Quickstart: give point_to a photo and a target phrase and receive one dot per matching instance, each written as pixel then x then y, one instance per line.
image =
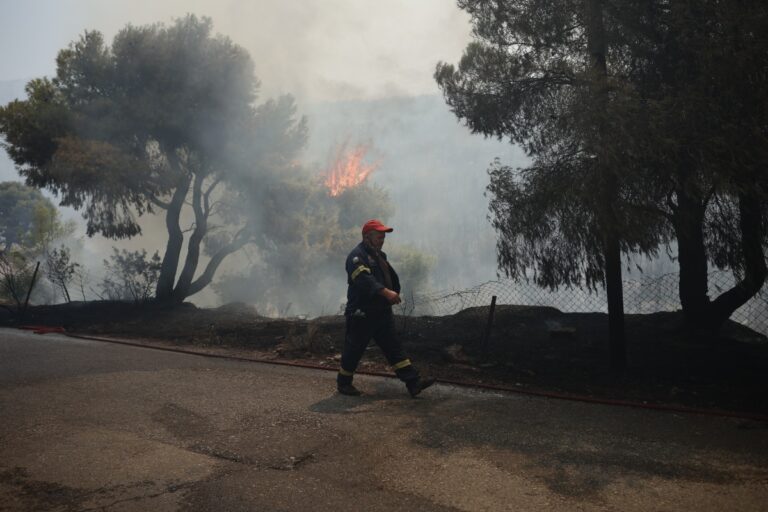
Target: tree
pixel 666 129
pixel 61 269
pixel 162 121
pixel 413 268
pixel 305 234
pixel 702 136
pixel 16 275
pixel 28 220
pixel 29 224
pixel 297 264
pixel 536 74
pixel 608 181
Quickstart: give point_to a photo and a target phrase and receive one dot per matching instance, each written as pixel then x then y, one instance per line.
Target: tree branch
pixel 207 194
pixel 238 241
pixel 651 209
pixel 708 195
pixel 157 202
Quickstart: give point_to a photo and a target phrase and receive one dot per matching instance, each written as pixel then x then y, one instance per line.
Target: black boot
pixel 348 389
pixel 416 387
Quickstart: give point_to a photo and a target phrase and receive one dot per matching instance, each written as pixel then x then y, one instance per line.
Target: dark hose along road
pixel 93 426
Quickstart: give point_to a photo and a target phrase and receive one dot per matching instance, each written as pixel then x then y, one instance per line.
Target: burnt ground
pixel 530 348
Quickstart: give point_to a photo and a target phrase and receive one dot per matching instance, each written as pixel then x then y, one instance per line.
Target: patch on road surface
pixel 182 422
pixel 19 492
pixel 95 467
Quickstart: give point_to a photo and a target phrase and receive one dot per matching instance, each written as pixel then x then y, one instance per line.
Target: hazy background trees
pixel 30 224
pixel 29 221
pixel 297 261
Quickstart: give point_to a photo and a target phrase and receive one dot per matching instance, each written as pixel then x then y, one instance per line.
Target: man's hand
pixel 391 296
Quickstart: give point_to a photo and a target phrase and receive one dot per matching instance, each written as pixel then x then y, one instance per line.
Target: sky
pixel 317 50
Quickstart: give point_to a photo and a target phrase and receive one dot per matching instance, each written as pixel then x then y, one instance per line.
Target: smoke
pixel 361 71
pixel 435 172
pixel 317 51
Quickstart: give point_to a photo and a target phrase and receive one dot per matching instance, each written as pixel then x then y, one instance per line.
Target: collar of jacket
pixel 373 252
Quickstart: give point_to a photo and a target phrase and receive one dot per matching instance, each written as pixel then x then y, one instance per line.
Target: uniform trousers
pixel 379 326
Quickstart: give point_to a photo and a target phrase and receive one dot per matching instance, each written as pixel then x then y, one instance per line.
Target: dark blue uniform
pixel 365 279
pixel 369 315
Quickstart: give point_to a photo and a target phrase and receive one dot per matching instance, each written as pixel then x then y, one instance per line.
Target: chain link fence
pixel 643 296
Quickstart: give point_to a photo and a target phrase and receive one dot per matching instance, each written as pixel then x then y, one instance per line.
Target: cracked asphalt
pixel 92 426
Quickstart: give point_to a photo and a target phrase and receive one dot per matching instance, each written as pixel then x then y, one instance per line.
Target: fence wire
pixel 643 296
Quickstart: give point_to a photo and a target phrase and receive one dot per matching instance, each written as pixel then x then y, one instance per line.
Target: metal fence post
pixel 487 332
pixel 29 292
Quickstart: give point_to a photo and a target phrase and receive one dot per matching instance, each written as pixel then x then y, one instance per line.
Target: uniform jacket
pixel 365 278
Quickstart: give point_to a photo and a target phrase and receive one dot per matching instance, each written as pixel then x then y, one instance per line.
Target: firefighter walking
pixel 373 288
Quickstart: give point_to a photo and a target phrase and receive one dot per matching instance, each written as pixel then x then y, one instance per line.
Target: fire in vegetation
pixel 348 169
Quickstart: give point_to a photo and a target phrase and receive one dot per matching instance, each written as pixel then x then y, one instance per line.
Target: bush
pixel 130 276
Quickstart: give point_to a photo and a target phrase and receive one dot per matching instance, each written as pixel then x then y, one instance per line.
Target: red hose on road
pixel 42 329
pixel 492 387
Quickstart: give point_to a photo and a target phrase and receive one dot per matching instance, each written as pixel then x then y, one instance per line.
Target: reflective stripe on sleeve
pixel 402 364
pixel 361 268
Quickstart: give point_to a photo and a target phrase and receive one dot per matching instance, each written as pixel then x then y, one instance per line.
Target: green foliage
pixel 302 226
pixel 31 127
pixel 29 222
pixel 366 202
pixel 130 276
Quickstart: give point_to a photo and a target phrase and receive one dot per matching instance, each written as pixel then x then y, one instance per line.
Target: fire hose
pixel 455 382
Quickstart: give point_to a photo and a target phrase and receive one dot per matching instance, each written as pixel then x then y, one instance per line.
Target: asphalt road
pixel 92 426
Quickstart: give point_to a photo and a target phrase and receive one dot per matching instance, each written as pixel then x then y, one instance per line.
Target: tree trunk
pixel 608 188
pixel 704 318
pixel 615 292
pixel 181 291
pixel 170 262
pixel 688 222
pixel 755 271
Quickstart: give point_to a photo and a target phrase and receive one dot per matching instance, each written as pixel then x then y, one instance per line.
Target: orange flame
pixel 348 169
